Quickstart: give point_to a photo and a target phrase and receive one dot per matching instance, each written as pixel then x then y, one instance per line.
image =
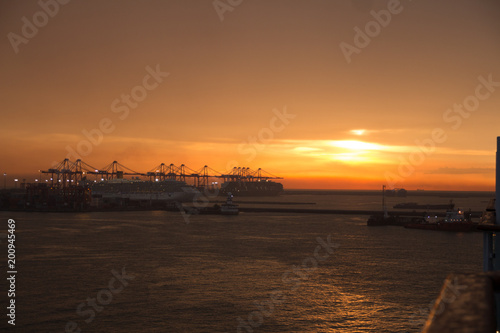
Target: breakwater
pixel 344 211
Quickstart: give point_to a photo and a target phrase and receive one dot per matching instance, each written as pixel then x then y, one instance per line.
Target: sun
pixel 358 131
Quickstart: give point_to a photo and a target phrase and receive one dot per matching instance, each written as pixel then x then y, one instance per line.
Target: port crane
pixel 68 173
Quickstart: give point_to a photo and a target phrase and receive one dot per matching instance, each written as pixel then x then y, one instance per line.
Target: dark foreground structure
pixel 471 303
pixel 466 304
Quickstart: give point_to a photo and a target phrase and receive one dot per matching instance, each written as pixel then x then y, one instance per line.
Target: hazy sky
pixel 328 94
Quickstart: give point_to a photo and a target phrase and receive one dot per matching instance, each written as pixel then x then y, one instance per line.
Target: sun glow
pixel 349 157
pixel 358 131
pixel 345 151
pixel 356 145
pixel 305 149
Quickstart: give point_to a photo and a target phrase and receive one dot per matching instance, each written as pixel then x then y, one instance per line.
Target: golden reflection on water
pixel 342 310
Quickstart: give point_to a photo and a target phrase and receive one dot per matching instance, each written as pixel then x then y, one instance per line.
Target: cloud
pixel 464 152
pixel 461 171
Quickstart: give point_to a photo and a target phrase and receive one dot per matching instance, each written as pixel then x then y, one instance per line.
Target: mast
pixel 384 208
pixel 496 256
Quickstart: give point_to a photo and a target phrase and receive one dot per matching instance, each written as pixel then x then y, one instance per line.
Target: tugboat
pixel 229 208
pixel 454 221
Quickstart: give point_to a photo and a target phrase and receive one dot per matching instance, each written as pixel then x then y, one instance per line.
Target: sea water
pixel 158 271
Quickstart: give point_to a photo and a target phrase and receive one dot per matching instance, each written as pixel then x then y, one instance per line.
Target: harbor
pixel 19 200
pixel 259 166
pixel 303 213
pixel 78 186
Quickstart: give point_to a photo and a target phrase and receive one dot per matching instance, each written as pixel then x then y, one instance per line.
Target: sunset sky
pixel 327 94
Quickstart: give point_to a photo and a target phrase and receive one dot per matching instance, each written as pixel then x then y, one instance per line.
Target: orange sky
pixel 268 86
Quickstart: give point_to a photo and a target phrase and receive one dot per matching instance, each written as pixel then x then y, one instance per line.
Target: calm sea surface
pixel 154 272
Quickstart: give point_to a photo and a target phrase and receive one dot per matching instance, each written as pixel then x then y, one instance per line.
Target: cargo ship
pixel 414 205
pixel 251 188
pixel 396 192
pixel 454 221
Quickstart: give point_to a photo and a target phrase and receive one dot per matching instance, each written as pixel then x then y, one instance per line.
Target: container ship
pixel 251 188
